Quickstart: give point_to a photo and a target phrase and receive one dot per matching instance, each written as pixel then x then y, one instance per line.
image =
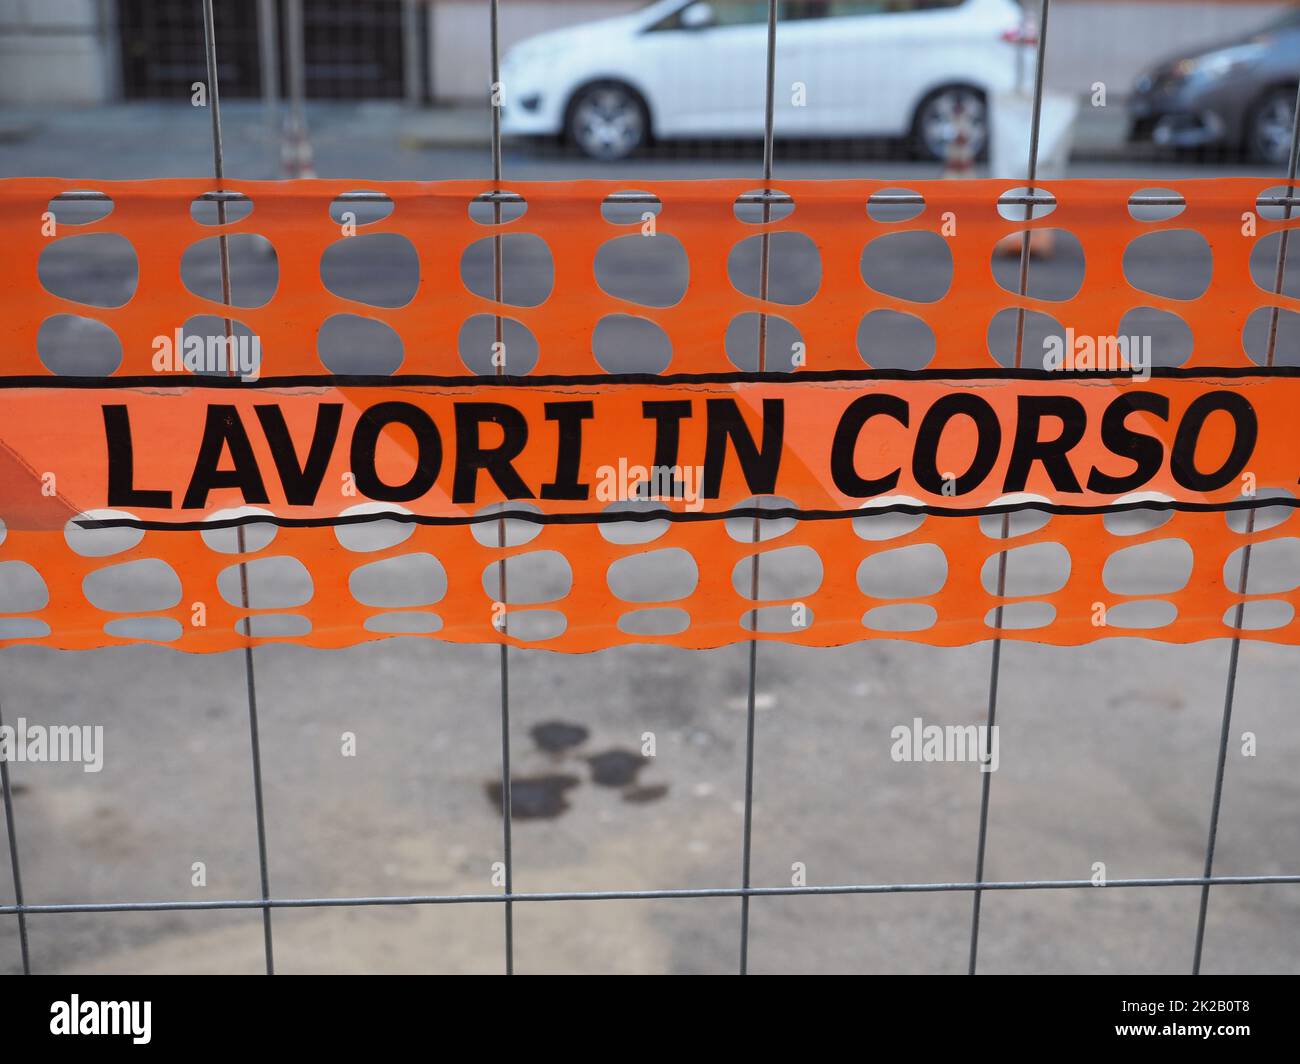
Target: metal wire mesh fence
pixel 221 71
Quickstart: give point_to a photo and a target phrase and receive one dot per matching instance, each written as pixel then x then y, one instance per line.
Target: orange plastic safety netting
pixel 386 483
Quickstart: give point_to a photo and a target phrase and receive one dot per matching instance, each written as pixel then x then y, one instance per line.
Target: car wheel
pixel 607 121
pixel 942 114
pixel 1270 127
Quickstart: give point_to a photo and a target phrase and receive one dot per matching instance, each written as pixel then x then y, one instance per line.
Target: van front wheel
pixel 607 121
pixel 944 114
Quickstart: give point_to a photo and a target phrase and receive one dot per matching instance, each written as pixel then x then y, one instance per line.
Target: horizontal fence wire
pixel 900 199
pixel 666 894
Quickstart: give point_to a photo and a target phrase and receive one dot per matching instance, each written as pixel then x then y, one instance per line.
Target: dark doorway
pixel 352 50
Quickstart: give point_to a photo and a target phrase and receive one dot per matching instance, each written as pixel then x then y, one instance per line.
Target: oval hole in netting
pixel 379 269
pixel 1018 522
pixel 1035 347
pixel 1043 204
pixel 882 526
pixel 792 618
pixel 146 629
pixel 405 623
pixel 274 626
pixel 1276 212
pixel 1261 616
pixel 663 620
pixel 880 209
pixel 80 211
pixel 489 208
pixel 1036 569
pixel 407 580
pixel 350 343
pixel 1134 522
pixel 624 343
pixel 1263 266
pixel 375 207
pixel 781 344
pixel 1150 337
pixel 71 345
pixel 1019 616
pixel 21 588
pixel 535 626
pixel 538 576
pixel 650 270
pixel 133 587
pixel 1173 263
pixel 205 348
pixel 527 270
pixel 1141 614
pixel 1265 516
pixel 1274 568
pixel 655 576
pixel 256 535
pixel 273 583
pixel 914 265
pixel 901 617
pixel 477 344
pixel 904 572
pixel 1057 278
pixel 378 534
pixel 23 628
pixel 749 205
pixel 207 212
pixel 517 532
pixel 630 207
pixel 794 268
pixel 784 573
pixel 100 542
pixel 1156 212
pixel 254 269
pixel 741 529
pixel 97 269
pixel 1286 339
pixel 1158 568
pixel 893 339
pixel 634 531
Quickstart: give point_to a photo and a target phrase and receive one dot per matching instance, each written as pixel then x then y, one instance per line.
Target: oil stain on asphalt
pixel 546 796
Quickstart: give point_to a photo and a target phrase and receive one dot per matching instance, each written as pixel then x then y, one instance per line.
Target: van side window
pixel 754 12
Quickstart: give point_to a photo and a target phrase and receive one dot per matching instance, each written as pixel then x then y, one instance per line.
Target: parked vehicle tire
pixel 607 121
pixel 934 124
pixel 1268 132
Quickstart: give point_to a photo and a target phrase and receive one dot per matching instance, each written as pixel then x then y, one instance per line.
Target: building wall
pixel 55 52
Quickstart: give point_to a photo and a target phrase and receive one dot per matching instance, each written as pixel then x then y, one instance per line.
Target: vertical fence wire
pixel 1234 653
pixel 769 122
pixel 995 665
pixel 14 867
pixel 496 99
pixel 250 676
pixel 268 43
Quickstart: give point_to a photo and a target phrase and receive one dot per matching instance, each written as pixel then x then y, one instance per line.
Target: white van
pixel 697 68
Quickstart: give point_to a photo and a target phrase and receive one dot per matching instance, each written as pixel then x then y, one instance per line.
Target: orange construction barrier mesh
pixel 147 465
